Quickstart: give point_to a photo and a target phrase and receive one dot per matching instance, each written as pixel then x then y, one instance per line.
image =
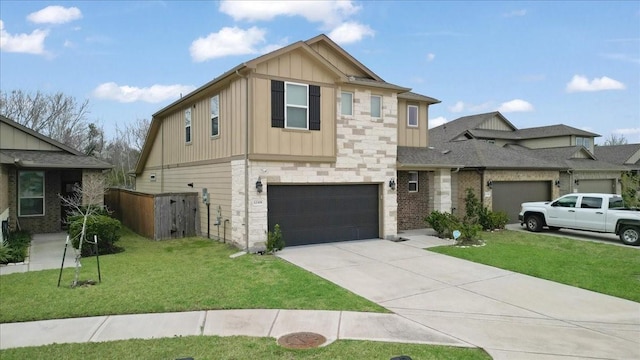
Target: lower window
pixel 413 181
pixel 31 193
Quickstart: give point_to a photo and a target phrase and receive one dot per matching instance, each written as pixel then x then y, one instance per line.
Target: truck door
pixel 590 214
pixel 562 212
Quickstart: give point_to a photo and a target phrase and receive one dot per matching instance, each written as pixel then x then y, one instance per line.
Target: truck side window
pixel 591 202
pixel 616 203
pixel 569 201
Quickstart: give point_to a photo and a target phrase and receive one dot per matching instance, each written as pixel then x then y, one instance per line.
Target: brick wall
pixel 50 221
pixel 412 206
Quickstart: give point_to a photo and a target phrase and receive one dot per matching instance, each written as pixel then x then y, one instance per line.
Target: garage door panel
pixel 311 214
pixel 508 195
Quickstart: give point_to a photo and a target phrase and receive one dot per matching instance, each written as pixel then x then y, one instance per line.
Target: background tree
pixel 57 116
pixel 614 139
pixel 123 151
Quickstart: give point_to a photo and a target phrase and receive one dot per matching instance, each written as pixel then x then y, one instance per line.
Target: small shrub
pixel 106 228
pixel 492 220
pixel 5 253
pixel 469 233
pixel 274 240
pixel 443 223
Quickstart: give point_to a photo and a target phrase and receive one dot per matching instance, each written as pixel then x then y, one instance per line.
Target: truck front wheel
pixel 533 222
pixel 630 235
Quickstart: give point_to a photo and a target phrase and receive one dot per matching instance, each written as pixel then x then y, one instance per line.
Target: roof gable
pixel 34 140
pixel 628 154
pixel 468 126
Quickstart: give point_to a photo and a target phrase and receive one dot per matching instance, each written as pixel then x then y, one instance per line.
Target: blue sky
pixel 539 63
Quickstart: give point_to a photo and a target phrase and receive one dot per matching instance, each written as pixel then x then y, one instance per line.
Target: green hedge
pixel 16 247
pixel 106 228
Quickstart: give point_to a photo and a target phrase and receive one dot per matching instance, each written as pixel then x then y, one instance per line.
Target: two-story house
pixel 506 166
pixel 305 137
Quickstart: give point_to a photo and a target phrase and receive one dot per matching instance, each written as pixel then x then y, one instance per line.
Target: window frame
pixel 217 115
pixel 411 181
pixel 379 107
pixel 287 105
pixel 409 116
pixel 21 196
pixel 342 102
pixel 188 134
pixel 580 141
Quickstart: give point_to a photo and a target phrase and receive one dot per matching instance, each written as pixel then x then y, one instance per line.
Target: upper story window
pixel 215 116
pixel 295 106
pixel 376 106
pixel 412 115
pixel 31 193
pixel 346 101
pixel 413 181
pixel 187 126
pixel 296 100
pixel 584 141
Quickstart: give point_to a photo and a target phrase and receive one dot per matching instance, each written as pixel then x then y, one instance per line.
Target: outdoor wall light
pixel 490 184
pixel 576 181
pixel 259 185
pixel 392 184
pixel 557 183
pixel 190 184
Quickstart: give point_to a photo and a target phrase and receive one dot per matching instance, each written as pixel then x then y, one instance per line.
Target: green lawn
pixel 172 275
pixel 604 268
pixel 210 347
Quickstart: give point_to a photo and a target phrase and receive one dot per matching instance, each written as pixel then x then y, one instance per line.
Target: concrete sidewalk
pixel 510 315
pixel 45 253
pixel 332 325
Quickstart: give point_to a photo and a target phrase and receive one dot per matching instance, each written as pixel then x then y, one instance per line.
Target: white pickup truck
pixel 604 213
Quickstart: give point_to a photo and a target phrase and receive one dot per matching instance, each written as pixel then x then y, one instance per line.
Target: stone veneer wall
pixel 366 154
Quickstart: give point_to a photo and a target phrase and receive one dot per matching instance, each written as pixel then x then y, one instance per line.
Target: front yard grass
pixel 168 276
pixel 238 347
pixel 607 269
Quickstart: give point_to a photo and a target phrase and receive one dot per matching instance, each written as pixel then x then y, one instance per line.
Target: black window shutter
pixel 277 103
pixel 314 107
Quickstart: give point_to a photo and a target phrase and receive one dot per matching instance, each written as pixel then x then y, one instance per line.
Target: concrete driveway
pixel 510 315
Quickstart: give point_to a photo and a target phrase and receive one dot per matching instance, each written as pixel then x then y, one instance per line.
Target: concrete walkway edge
pixel 333 325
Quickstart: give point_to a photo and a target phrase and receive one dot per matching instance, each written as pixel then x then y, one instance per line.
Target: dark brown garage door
pixel 313 214
pixel 508 195
pixel 596 186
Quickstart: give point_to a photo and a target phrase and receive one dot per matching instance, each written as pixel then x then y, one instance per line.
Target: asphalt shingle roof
pixel 618 154
pixel 52 159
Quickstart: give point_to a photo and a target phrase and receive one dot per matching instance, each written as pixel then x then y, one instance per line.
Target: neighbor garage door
pixel 596 186
pixel 312 214
pixel 508 195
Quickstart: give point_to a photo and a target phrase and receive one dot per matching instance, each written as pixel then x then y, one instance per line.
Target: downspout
pixel 162 159
pixel 246 162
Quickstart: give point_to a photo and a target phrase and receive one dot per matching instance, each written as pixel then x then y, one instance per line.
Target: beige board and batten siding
pixel 299 67
pixel 547 142
pixel 337 59
pixel 495 123
pixel 413 136
pixel 215 177
pixel 16 139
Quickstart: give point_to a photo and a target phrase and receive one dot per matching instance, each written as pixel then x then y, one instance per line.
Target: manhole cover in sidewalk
pixel 301 340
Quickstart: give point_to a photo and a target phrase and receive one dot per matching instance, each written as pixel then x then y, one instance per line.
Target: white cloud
pixel 459 106
pixel 514 13
pixel 23 43
pixel 516 105
pixel 227 41
pixel 431 56
pixel 329 13
pixel 350 32
pixel 437 121
pixel 152 94
pixel 55 15
pixel 580 83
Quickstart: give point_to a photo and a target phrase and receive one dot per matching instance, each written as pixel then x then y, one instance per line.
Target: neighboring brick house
pixel 305 137
pixel 506 166
pixel 34 170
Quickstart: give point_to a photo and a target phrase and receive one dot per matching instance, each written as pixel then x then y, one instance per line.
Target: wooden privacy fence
pixel 155 216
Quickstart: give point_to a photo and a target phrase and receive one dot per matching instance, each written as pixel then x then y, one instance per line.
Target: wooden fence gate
pixel 155 216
